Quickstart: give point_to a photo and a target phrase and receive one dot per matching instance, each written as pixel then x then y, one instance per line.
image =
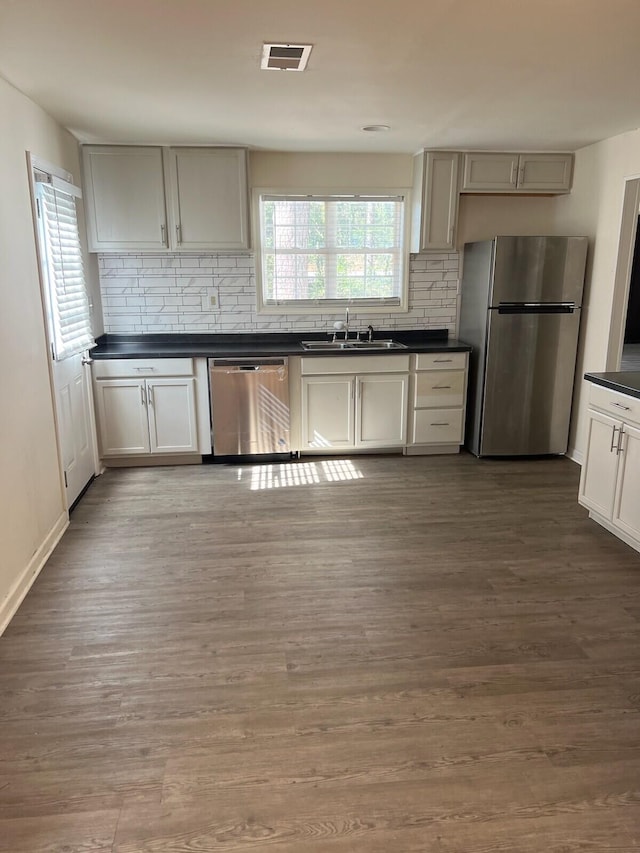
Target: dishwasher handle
pixel 240 365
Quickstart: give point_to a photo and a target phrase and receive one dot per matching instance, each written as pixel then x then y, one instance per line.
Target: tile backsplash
pixel 217 293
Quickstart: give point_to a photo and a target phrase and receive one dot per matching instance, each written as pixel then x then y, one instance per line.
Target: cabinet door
pixel 381 411
pixel 436 201
pixel 124 198
pixel 172 415
pixel 209 207
pixel 490 172
pixel 545 172
pixel 121 412
pixel 328 406
pixel 626 514
pixel 600 465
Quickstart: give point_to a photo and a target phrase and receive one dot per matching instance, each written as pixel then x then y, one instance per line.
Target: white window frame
pixel 61 181
pixel 320 306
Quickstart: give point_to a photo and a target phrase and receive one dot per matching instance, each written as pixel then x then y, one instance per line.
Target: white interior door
pixel 75 424
pixel 68 314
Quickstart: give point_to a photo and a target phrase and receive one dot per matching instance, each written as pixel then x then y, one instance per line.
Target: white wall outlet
pixel 213 303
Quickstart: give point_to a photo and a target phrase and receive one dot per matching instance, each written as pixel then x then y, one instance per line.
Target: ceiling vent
pixel 285 57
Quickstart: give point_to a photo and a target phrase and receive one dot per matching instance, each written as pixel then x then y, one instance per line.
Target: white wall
pixel 285 170
pixel 31 499
pixel 595 208
pixel 481 217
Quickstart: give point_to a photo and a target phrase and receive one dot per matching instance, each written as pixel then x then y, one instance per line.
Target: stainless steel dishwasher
pixel 249 405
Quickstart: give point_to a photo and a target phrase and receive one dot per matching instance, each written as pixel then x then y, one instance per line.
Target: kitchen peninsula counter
pixel 622 381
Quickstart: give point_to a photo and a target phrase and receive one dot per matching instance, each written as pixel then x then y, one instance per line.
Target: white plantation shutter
pixel 68 304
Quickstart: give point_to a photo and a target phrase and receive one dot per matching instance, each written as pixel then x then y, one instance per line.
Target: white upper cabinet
pixel 130 189
pixel 124 198
pixel 508 172
pixel 208 206
pixel 435 201
pixel 545 172
pixel 490 172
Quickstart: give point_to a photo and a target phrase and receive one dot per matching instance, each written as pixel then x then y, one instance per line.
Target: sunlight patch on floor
pixel 302 474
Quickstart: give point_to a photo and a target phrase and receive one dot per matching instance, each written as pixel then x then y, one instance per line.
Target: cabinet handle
pixel 619 447
pixel 442 360
pixel 520 175
pixel 613 438
pixel 512 177
pixel 440 424
pixel 150 394
pixel 143 396
pixel 144 368
pixel 442 387
pixel 162 235
pixel 178 234
pixel 621 406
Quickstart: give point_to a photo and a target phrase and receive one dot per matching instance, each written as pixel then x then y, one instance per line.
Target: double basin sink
pixel 352 345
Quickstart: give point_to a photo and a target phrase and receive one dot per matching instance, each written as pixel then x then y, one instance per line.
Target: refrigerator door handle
pixel 536 307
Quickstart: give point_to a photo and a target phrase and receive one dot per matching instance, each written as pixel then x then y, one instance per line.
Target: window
pixel 66 294
pixel 324 251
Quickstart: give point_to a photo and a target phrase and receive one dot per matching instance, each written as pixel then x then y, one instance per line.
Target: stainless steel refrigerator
pixel 520 310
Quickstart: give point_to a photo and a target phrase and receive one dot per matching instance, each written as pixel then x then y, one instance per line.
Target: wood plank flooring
pixel 408 654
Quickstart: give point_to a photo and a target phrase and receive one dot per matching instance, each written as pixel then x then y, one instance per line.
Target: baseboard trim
pixel 25 581
pixel 574 455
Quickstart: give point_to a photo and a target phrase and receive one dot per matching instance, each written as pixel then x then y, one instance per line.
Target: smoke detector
pixel 285 57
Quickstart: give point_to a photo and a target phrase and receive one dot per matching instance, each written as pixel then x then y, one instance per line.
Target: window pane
pixel 320 248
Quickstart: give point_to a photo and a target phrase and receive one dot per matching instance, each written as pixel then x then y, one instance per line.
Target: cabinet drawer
pixel 111 368
pixel 332 365
pixel 437 426
pixel 618 405
pixel 439 388
pixel 441 361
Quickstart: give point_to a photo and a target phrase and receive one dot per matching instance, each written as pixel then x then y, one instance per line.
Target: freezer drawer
pixel 528 384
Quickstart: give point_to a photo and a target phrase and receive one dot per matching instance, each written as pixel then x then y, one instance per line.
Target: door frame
pixel 622 279
pixel 34 162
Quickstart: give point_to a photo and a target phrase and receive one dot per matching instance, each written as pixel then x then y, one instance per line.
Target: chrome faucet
pixel 346 323
pixel 370 335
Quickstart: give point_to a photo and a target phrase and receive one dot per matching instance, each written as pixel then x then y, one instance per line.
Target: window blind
pixel 69 310
pixel 332 249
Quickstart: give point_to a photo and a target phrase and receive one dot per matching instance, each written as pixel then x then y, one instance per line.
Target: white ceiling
pixel 520 74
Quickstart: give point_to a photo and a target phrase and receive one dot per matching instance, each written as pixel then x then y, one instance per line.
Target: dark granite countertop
pixel 624 381
pixel 250 345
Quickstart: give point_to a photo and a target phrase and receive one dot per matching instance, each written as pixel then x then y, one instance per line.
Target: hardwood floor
pixel 410 654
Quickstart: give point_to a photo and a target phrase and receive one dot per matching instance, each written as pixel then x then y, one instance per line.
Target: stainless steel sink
pixel 352 345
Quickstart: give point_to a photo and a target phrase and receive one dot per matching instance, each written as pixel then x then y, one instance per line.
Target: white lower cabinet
pixel 354 411
pixel 610 477
pixel 122 417
pixel 381 410
pixel 328 413
pixel 348 410
pixel 172 416
pixel 438 397
pixel 146 416
pixel 149 412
